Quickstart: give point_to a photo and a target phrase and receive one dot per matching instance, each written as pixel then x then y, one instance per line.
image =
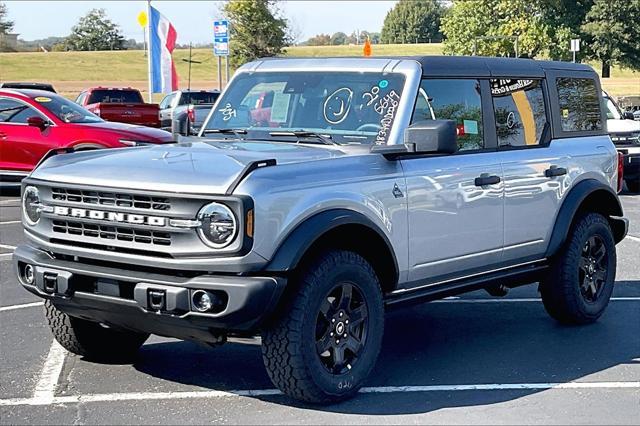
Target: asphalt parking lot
pixel 473 359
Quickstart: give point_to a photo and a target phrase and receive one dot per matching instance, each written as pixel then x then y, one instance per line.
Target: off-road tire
pixel 289 346
pixel 561 289
pixel 90 339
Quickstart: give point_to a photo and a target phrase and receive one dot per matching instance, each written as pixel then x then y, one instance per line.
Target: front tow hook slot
pixel 156 300
pixel 50 283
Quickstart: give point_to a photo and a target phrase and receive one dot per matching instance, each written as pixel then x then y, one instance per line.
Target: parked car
pixel 26 85
pixel 121 105
pixel 189 119
pixel 34 122
pixel 625 134
pixel 305 229
pixel 179 102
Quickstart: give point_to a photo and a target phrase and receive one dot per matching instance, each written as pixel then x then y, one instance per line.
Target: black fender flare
pixel 610 207
pixel 295 245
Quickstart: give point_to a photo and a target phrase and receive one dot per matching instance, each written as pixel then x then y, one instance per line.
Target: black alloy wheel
pixel 593 268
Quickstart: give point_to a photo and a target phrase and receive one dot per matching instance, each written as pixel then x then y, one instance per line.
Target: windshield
pixel 349 107
pixel 613 113
pixel 67 111
pixel 199 98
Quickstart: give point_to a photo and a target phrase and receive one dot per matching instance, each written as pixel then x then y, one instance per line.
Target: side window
pixel 579 104
pixel 458 100
pixel 166 102
pixel 15 112
pixel 519 110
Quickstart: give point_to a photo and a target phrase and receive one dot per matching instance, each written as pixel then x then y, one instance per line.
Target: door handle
pixel 3 135
pixel 486 179
pixel 555 171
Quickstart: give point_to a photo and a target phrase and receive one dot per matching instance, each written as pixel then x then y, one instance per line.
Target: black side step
pixel 247 171
pixel 514 277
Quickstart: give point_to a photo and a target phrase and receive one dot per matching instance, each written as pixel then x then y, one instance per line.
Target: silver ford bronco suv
pixel 321 192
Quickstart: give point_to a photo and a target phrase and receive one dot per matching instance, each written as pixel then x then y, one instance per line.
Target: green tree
pixel 613 34
pixel 95 31
pixel 413 21
pixel 257 29
pixel 490 27
pixel 338 38
pixel 564 19
pixel 6 26
pixel 319 40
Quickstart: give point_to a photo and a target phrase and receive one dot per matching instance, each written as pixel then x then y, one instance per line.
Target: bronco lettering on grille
pixel 110 216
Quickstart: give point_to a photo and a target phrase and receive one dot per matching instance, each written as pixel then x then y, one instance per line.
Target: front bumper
pixel 149 302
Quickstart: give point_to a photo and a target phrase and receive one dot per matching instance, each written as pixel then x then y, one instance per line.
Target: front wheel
pixel 579 285
pixel 92 340
pixel 324 347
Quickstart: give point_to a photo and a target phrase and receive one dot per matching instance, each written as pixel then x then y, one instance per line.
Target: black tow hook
pixel 157 300
pixel 497 290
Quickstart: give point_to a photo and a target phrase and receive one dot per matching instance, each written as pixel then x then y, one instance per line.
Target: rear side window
pixel 458 100
pixel 579 104
pixel 115 96
pixel 519 110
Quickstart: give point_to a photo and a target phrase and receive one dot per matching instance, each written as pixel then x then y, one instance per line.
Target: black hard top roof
pixel 30 93
pixel 482 66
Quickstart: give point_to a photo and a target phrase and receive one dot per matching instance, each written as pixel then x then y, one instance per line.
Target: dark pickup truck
pixel 122 105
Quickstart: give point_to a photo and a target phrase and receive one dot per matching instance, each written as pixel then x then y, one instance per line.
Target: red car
pixel 33 122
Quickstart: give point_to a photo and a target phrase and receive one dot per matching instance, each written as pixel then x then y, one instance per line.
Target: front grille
pixel 111 199
pixel 109 232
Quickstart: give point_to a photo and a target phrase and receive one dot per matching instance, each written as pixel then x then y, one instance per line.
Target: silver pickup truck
pixel 321 192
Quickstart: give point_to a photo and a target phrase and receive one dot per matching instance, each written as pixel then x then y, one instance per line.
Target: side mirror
pixel 38 122
pixel 627 115
pixel 433 136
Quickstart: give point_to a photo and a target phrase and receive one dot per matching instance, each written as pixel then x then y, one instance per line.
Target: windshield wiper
pixel 236 132
pixel 325 139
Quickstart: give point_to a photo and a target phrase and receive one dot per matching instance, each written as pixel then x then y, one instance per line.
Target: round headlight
pixel 218 225
pixel 31 205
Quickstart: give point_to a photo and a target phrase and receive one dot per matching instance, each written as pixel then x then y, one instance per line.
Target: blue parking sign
pixel 221 38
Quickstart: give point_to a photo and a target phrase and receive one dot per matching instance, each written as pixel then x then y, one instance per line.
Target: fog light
pixel 29 274
pixel 202 301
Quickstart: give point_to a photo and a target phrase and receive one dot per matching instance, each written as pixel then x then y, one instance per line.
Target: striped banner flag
pixel 162 40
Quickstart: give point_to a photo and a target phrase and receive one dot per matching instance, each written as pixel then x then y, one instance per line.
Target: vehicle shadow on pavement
pixel 435 344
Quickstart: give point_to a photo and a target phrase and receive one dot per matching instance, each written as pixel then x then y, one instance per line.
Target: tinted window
pixel 115 96
pixel 579 104
pixel 166 102
pixel 457 100
pixel 67 111
pixel 199 98
pixel 519 110
pixel 15 112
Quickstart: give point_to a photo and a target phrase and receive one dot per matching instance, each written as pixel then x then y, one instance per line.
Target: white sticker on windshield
pixel 280 107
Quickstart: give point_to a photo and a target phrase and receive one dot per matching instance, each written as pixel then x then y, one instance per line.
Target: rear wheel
pixel 92 340
pixel 579 285
pixel 326 345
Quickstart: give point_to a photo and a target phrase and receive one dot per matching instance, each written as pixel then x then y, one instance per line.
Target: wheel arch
pixel 587 196
pixel 340 229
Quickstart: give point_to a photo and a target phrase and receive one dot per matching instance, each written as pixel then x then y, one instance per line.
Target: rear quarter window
pixel 579 104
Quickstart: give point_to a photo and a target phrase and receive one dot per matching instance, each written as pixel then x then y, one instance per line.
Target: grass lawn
pixel 70 72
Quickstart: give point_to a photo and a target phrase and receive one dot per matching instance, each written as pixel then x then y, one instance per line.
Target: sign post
pixel 575 47
pixel 221 47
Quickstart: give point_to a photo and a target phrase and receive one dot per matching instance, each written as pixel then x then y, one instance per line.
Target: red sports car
pixel 33 122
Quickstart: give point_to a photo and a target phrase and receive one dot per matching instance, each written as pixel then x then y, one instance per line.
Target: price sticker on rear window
pixel 42 99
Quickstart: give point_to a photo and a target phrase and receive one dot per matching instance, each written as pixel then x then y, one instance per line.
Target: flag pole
pixel 149 49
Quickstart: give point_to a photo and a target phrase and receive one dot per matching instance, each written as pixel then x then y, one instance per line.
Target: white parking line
pixel 521 300
pixel 139 396
pixel 45 390
pixel 7 246
pixel 10 222
pixel 22 306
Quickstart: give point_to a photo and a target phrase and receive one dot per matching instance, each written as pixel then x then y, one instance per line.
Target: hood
pixel 205 167
pixel 623 126
pixel 139 133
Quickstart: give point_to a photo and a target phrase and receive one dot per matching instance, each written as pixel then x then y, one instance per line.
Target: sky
pixel 193 19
